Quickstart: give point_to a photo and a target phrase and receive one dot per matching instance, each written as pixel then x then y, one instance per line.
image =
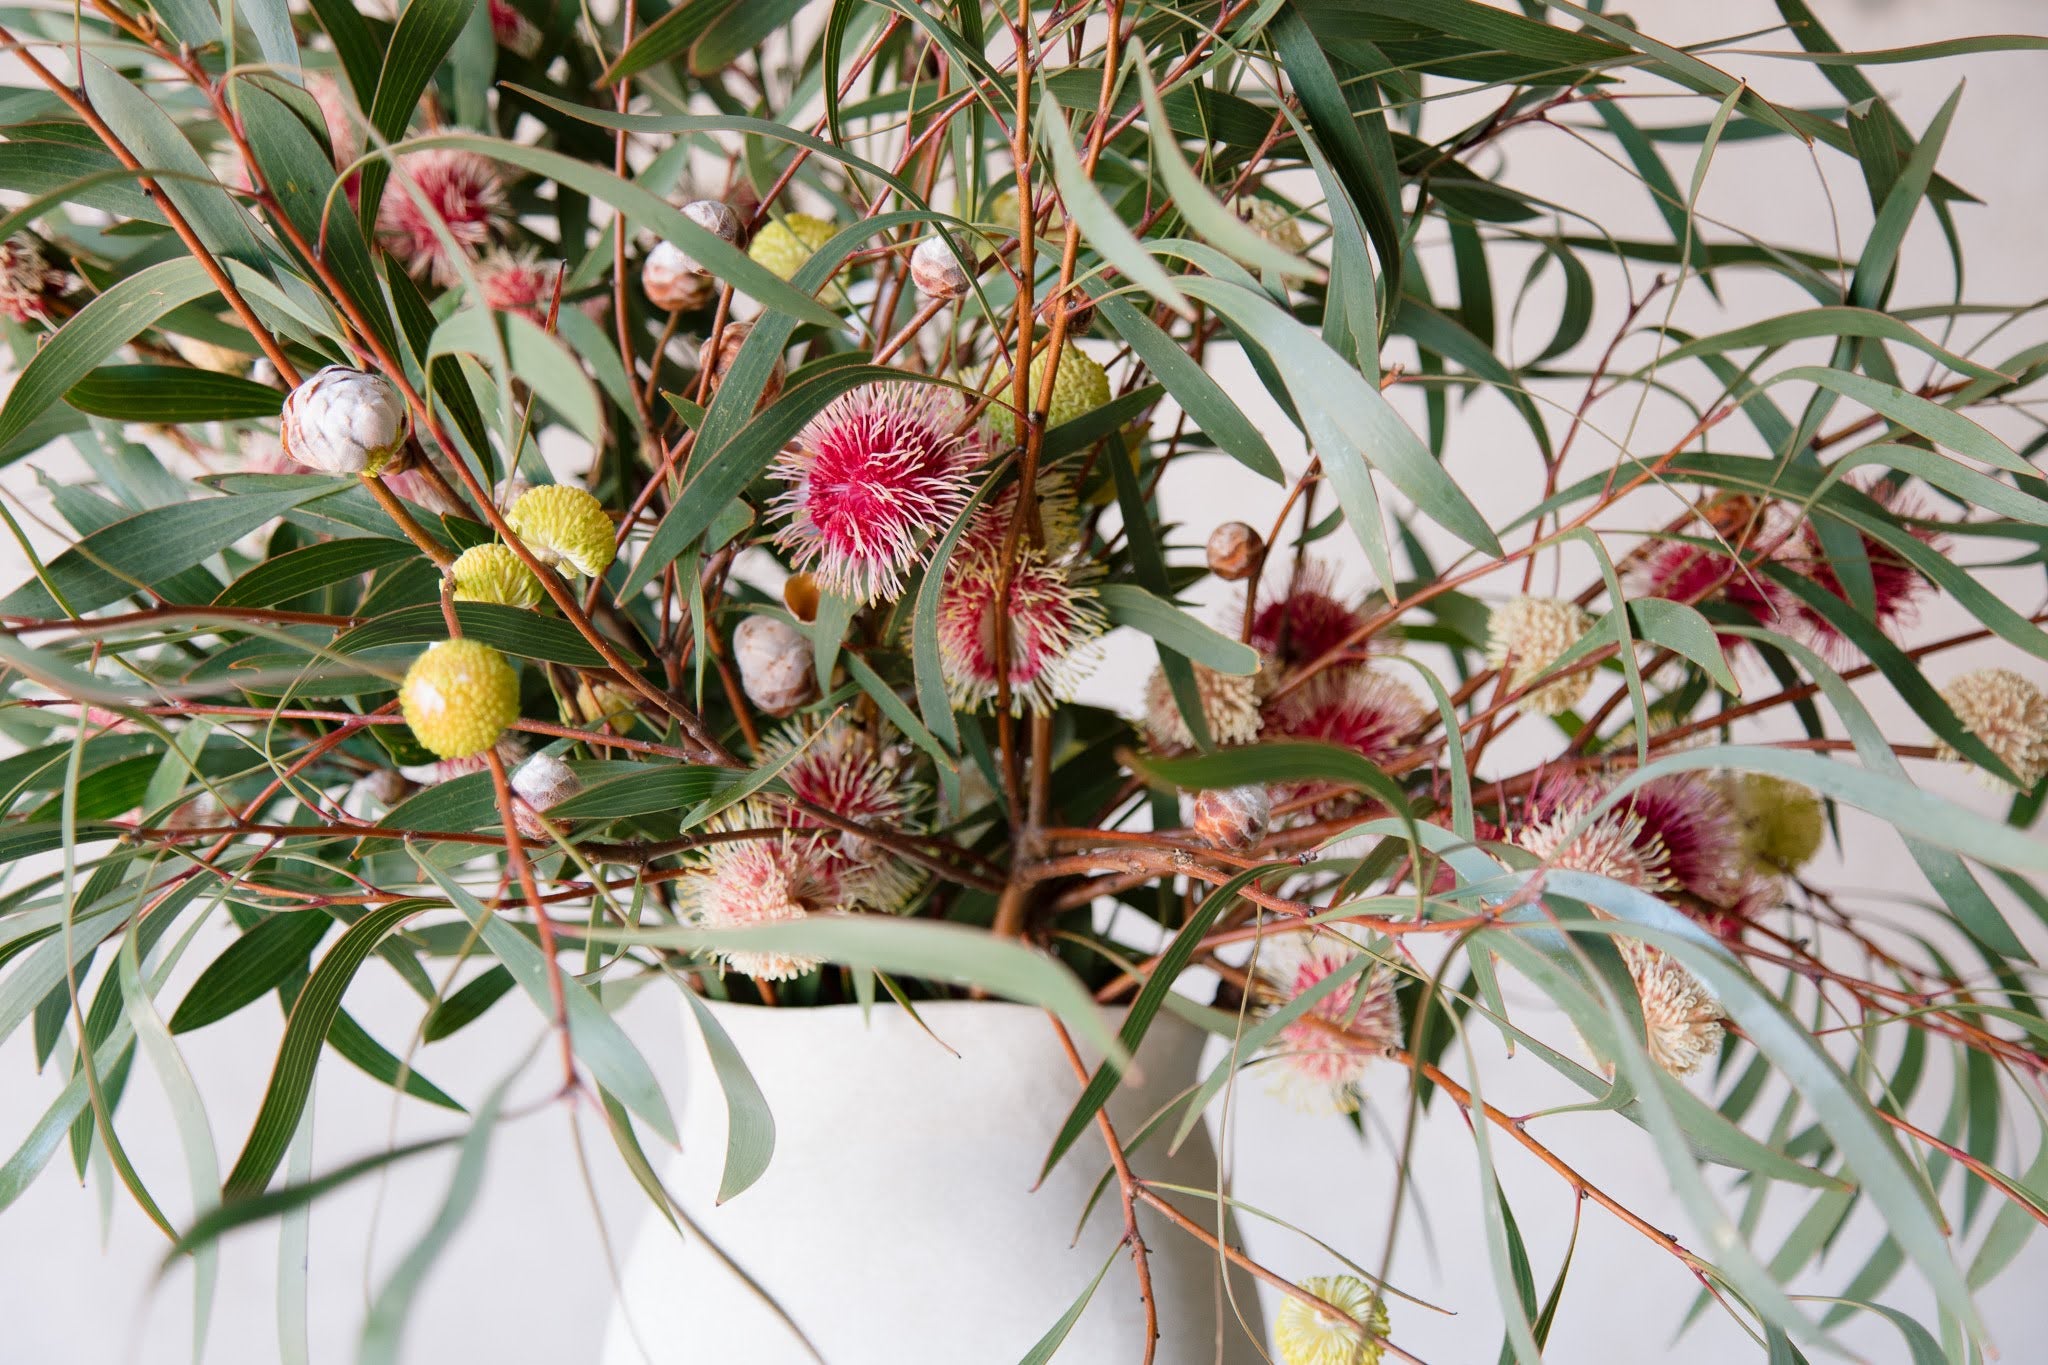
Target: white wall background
pixel 526 1280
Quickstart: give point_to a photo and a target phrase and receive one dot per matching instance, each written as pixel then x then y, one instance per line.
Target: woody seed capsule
pixel 1234 550
pixel 1232 818
pixel 936 272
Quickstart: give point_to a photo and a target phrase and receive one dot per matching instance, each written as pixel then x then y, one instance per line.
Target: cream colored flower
pixel 458 697
pixel 1525 636
pixel 1681 1019
pixel 493 573
pixel 2009 714
pixel 1311 1336
pixel 1230 708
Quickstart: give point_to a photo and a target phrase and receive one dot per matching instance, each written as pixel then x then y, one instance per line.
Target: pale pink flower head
pixel 1306 619
pixel 1048 628
pixel 463 191
pixel 513 31
pixel 1323 1055
pixel 871 481
pixel 1559 827
pixel 1358 708
pixel 840 767
pixel 26 280
pixel 515 281
pixel 1682 1026
pixel 747 883
pixel 1691 573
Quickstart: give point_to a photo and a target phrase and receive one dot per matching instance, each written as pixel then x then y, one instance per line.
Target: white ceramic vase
pixel 898 1223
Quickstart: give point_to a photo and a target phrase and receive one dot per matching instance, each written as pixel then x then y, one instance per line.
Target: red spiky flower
pixel 462 190
pixel 1048 626
pixel 515 281
pixel 840 767
pixel 1307 619
pixel 872 480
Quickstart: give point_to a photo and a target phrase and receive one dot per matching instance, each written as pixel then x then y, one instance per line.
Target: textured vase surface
pixel 898 1224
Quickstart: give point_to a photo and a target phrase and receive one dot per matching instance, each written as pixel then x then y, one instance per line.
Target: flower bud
pixel 345 421
pixel 719 361
pixel 601 703
pixel 458 697
pixel 493 573
pixel 936 272
pixel 1234 551
pixel 1232 818
pixel 672 281
pixel 26 280
pixel 542 781
pixel 565 528
pixel 775 664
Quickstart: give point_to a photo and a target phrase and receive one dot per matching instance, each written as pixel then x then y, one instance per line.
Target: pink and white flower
pixel 840 767
pixel 1047 628
pixel 514 280
pixel 1323 1055
pixel 1307 619
pixel 461 191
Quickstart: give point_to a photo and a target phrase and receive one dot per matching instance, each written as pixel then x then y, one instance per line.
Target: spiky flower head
pixel 513 31
pixel 1230 708
pixel 936 272
pixel 1683 571
pixel 1306 619
pixel 1691 819
pixel 458 697
pixel 493 573
pixel 1322 1056
pixel 1079 387
pixel 841 767
pixel 1681 1019
pixel 1526 635
pixel 515 281
pixel 2009 714
pixel 1307 1335
pixel 460 190
pixel 25 279
pixel 1782 822
pixel 1896 586
pixel 1563 832
pixel 1362 709
pixel 871 480
pixel 345 421
pixel 746 883
pixel 565 528
pixel 784 244
pixel 1048 628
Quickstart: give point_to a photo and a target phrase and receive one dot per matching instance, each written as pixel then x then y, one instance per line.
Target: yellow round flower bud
pixel 784 244
pixel 1312 1336
pixel 494 573
pixel 458 697
pixel 1079 388
pixel 1783 823
pixel 566 529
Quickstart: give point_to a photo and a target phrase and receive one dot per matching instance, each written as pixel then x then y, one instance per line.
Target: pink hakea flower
pixel 26 280
pixel 1692 821
pixel 1323 1055
pixel 840 767
pixel 463 192
pixel 1560 829
pixel 872 480
pixel 513 31
pixel 1896 586
pixel 1691 573
pixel 1307 620
pixel 746 883
pixel 515 281
pixel 1355 707
pixel 1050 623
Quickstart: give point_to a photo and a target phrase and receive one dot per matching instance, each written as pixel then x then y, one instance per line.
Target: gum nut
pixel 719 361
pixel 936 272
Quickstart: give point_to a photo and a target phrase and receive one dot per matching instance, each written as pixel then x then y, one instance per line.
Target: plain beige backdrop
pixel 526 1279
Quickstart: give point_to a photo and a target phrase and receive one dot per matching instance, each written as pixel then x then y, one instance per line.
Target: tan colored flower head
pixel 2009 714
pixel 1526 635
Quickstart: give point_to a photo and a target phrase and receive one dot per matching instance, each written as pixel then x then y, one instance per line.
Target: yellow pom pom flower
pixel 1311 1336
pixel 494 573
pixel 784 244
pixel 459 697
pixel 1782 822
pixel 566 529
pixel 1079 388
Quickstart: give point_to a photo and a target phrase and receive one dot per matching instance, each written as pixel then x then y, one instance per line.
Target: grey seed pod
pixel 345 421
pixel 936 272
pixel 1233 818
pixel 542 782
pixel 775 664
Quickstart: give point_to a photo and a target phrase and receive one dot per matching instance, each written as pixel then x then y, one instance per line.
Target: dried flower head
pixel 1047 627
pixel 1782 822
pixel 1306 619
pixel 747 883
pixel 1322 1056
pixel 1525 636
pixel 775 664
pixel 1681 1019
pixel 565 528
pixel 441 187
pixel 1230 708
pixel 1306 1335
pixel 1234 551
pixel 458 697
pixel 1231 818
pixel 515 281
pixel 345 421
pixel 493 573
pixel 872 479
pixel 26 280
pixel 2009 715
pixel 936 272
pixel 842 768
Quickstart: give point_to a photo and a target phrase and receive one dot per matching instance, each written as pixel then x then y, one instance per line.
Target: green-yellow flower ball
pixel 1079 388
pixel 493 573
pixel 565 528
pixel 458 697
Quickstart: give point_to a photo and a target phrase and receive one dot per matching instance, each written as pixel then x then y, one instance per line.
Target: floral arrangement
pixel 580 499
